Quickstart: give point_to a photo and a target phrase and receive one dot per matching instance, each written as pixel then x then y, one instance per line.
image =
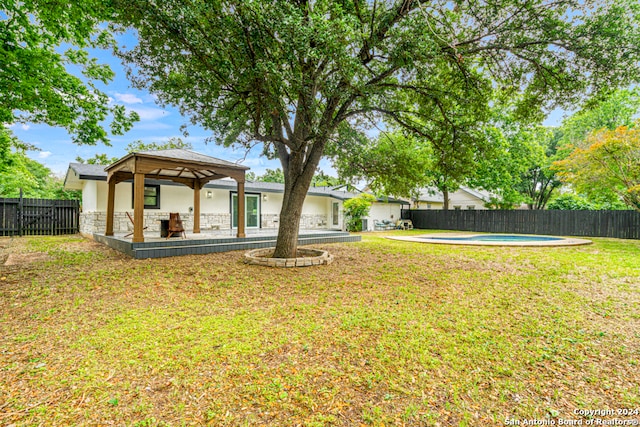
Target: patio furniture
pixel 384 225
pixel 132 225
pixel 175 225
pixel 404 224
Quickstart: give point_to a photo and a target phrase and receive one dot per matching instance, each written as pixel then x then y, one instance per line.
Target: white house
pixel 323 207
pixel 465 198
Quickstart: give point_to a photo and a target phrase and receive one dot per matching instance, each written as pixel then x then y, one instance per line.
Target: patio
pixel 212 241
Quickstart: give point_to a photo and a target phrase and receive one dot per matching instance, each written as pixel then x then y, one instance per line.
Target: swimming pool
pixel 498 238
pixel 493 239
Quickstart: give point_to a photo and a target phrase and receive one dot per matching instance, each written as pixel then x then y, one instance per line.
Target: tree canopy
pixel 294 75
pixel 19 172
pixel 36 85
pixel 611 162
pixel 619 108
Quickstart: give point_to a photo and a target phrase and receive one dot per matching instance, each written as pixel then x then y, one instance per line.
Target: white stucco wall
pixel 272 205
pixel 90 196
pixel 215 210
pixel 383 211
pixel 173 198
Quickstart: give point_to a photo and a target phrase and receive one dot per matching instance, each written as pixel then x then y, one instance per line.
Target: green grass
pixel 392 333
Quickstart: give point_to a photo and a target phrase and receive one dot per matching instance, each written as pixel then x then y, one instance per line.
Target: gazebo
pixel 183 166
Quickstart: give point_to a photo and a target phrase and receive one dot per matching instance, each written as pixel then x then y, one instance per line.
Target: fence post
pixel 20 216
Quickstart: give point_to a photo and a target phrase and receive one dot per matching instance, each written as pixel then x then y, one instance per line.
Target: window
pixel 151 196
pixel 457 207
pixel 471 207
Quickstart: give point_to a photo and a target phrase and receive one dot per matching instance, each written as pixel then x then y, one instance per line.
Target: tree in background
pixel 618 109
pixel 98 159
pixel 293 74
pixel 173 143
pixel 611 162
pixel 394 164
pixel 539 181
pixel 35 84
pixel 19 172
pixel 320 179
pixel 571 202
pixel 270 175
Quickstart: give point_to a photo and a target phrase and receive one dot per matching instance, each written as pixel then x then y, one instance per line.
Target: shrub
pixel 570 202
pixel 357 208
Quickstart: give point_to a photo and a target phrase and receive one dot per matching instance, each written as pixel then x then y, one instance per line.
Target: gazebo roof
pixel 178 165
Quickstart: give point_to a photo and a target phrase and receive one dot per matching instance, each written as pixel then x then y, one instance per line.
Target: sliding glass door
pixel 252 210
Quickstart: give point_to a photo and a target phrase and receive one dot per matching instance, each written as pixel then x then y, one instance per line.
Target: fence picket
pixel 20 216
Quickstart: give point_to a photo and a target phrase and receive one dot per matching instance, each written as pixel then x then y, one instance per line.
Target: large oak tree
pixel 291 74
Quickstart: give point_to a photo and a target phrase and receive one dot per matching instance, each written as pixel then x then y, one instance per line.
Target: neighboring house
pixel 218 203
pixel 464 198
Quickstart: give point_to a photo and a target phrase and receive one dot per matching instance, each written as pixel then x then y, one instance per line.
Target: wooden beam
pixel 241 208
pixel 211 178
pixel 111 199
pixel 189 182
pixel 196 207
pixel 138 208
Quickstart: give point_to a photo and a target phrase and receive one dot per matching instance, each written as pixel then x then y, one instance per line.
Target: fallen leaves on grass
pixel 391 333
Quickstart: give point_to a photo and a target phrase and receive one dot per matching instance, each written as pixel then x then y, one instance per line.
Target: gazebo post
pixel 241 208
pixel 138 208
pixel 196 207
pixel 111 198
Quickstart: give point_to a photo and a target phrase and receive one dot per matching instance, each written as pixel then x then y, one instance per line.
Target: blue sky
pixel 157 124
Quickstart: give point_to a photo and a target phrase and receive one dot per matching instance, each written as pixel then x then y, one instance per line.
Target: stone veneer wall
pixel 307 221
pixel 96 222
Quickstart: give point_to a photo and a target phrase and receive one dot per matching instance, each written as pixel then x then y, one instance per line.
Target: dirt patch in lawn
pixel 26 258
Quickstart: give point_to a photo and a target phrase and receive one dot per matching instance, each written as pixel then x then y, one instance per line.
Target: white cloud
pixel 150 113
pixel 128 98
pixel 44 154
pixel 25 127
pixel 152 126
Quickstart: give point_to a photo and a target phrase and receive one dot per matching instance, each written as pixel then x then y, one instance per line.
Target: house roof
pixel 434 195
pixel 79 172
pixel 430 195
pixel 480 194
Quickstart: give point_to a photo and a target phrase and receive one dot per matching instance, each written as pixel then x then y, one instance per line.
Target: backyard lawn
pixel 391 333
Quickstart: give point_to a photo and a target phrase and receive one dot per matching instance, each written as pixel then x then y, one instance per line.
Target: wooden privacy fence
pixel 619 224
pixel 21 216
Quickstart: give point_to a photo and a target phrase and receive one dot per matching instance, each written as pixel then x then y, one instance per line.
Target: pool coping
pixel 424 238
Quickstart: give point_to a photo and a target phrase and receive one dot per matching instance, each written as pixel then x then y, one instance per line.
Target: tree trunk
pixel 289 227
pixel 445 196
pixel 299 168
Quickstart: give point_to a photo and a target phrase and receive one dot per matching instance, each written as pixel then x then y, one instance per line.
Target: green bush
pixel 357 208
pixel 570 202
